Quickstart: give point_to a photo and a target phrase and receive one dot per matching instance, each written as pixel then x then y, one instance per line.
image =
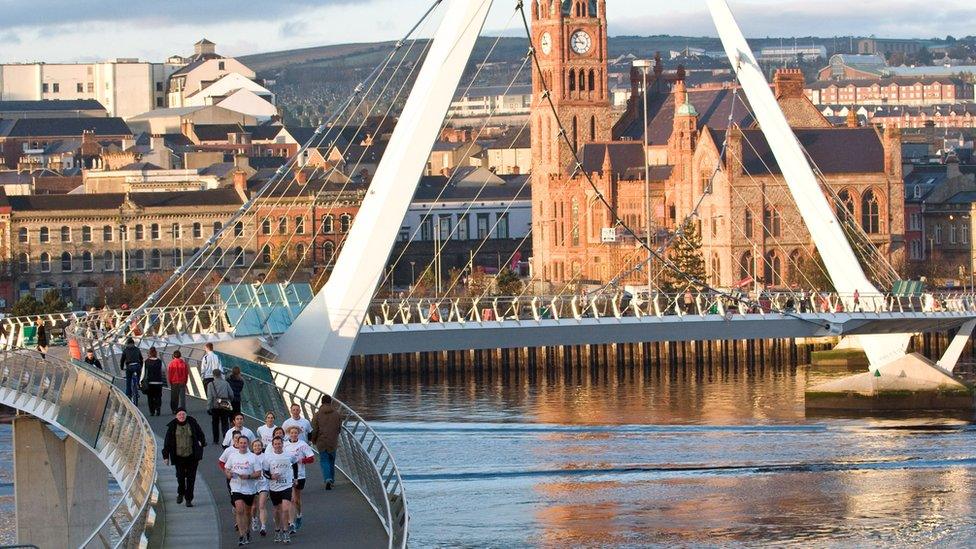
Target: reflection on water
pixel 636 457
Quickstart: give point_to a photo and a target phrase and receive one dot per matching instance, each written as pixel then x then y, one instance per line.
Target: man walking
pixel 178 374
pixel 183 448
pixel 208 365
pixel 132 362
pixel 219 395
pixel 326 425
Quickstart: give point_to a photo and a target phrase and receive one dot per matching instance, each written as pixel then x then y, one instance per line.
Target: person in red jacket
pixel 177 373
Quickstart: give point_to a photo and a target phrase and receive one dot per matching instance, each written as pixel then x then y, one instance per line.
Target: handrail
pixel 53 388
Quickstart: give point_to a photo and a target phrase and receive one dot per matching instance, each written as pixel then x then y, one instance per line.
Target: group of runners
pixel 267 465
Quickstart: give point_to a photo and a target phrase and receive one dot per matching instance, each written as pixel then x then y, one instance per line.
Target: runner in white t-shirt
pixel 222 460
pixel 259 512
pixel 278 468
pixel 266 431
pixel 237 426
pixel 305 455
pixel 242 469
pixel 296 420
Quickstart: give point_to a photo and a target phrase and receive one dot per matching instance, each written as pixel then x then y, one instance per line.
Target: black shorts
pixel 300 485
pixel 278 497
pixel 248 499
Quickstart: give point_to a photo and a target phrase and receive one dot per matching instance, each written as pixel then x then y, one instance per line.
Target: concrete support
pixel 60 487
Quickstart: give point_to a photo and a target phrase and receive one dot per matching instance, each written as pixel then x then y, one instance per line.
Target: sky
pixel 87 30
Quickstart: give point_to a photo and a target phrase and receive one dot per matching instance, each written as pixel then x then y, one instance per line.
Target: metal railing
pixel 361 456
pixel 87 406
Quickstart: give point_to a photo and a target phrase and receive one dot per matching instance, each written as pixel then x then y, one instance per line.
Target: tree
pixel 53 303
pixel 27 306
pixel 687 256
pixel 507 283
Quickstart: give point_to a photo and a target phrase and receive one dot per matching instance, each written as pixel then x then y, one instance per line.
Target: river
pixel 631 457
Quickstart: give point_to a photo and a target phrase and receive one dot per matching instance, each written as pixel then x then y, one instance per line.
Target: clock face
pixel 581 42
pixel 546 43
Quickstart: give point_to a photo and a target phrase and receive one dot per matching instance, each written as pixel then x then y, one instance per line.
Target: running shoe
pixel 264 531
pixel 298 522
pixel 277 538
pixel 254 524
pixel 286 538
pixel 240 542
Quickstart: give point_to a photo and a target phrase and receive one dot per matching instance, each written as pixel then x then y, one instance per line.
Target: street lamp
pixel 413 275
pixel 644 65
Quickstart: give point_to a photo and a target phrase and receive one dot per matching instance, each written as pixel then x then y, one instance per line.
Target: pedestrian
pixel 278 466
pixel 266 431
pixel 154 380
pixel 236 381
pixel 242 471
pixel 326 425
pixel 222 460
pixel 178 374
pixel 132 362
pixel 183 448
pixel 296 420
pixel 259 513
pixel 219 394
pixel 304 455
pixel 857 301
pixel 92 360
pixel 41 335
pixel 237 425
pixel 209 365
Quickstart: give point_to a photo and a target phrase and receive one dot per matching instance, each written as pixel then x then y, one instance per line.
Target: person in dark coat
pixel 41 337
pixel 132 365
pixel 152 373
pixel 236 381
pixel 92 360
pixel 183 448
pixel 326 426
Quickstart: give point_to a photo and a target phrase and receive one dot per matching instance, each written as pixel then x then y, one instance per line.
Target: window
pixel 266 254
pixel 218 257
pixel 952 233
pixel 238 228
pixel 107 233
pixel 746 266
pixel 124 233
pixel 300 252
pixel 177 230
pixel 86 234
pixel 140 232
pixel 327 225
pixel 299 225
pixel 917 191
pixel 79 87
pixel 462 227
pixel 108 261
pixel 965 233
pixel 870 213
pixel 938 234
pixel 915 221
pixel 159 86
pixel 44 88
pixel 266 226
pixel 87 263
pixel 502 229
pixel 328 254
pixel 56 87
pixel 238 257
pixel 91 87
pixel 177 257
pixel 574 232
pixel 45 235
pixel 427 228
pixel 282 225
pixel 845 205
pixel 345 223
pixel 139 260
pixel 774 269
pixel 154 231
pixel 716 277
pixel 155 260
pixel 220 65
pixel 197 230
pixel 217 227
pixel 22 235
pixel 66 234
pixel 444 227
pixel 65 262
pixel 915 251
pixel 572 80
pixel 23 262
pixel 45 262
pixel 771 222
pixel 483 224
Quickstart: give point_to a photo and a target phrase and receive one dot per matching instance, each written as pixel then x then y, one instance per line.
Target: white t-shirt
pixel 261 464
pixel 300 450
pixel 304 427
pixel 229 435
pixel 242 464
pixel 267 435
pixel 280 464
pixel 226 454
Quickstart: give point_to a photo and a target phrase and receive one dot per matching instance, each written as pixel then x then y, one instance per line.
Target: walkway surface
pixel 339 518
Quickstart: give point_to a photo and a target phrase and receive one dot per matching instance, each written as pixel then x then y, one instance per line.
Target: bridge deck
pixel 337 518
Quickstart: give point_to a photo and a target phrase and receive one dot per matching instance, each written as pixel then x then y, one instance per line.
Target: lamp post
pixel 643 65
pixel 413 275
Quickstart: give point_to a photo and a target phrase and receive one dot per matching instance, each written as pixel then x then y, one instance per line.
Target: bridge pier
pixel 60 487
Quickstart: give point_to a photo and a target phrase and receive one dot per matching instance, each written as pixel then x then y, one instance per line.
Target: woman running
pixel 304 455
pixel 260 511
pixel 278 466
pixel 266 431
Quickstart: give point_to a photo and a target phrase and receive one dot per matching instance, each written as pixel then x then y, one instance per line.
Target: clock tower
pixel 570 40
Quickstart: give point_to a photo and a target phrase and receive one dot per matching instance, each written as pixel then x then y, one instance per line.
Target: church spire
pixel 607 164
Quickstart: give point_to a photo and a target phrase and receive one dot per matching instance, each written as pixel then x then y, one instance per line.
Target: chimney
pixel 788 83
pixel 204 47
pixel 241 161
pixel 157 143
pixel 852 121
pixel 892 146
pixel 240 182
pixel 301 176
pixel 128 143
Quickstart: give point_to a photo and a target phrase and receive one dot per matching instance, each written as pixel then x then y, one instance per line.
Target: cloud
pixel 19 14
pixel 292 29
pixel 9 38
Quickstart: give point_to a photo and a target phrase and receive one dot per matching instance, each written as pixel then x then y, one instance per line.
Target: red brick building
pixel 890 91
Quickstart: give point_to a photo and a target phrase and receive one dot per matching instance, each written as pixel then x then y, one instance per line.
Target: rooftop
pixel 64 127
pixel 113 201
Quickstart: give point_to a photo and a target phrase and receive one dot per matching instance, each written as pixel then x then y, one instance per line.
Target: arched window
pixel 575 212
pixel 716 270
pixel 22 235
pixel 238 228
pixel 65 234
pixel 299 225
pixel 592 86
pixel 87 263
pixel 345 223
pixel 44 235
pixel 108 234
pixel 266 254
pixel 582 80
pixel 86 234
pixel 328 254
pixel 771 222
pixel 746 266
pixel 796 275
pixel 108 261
pixel 327 225
pixel 238 257
pixel 282 225
pixel 592 128
pixel 45 262
pixel 845 205
pixel 266 226
pixel 154 231
pixel 572 80
pixel 139 260
pixel 217 227
pixel 300 252
pixel 870 213
pixel 155 260
pixel 774 269
pixel 23 262
pixel 747 223
pixel 140 232
pixel 65 262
